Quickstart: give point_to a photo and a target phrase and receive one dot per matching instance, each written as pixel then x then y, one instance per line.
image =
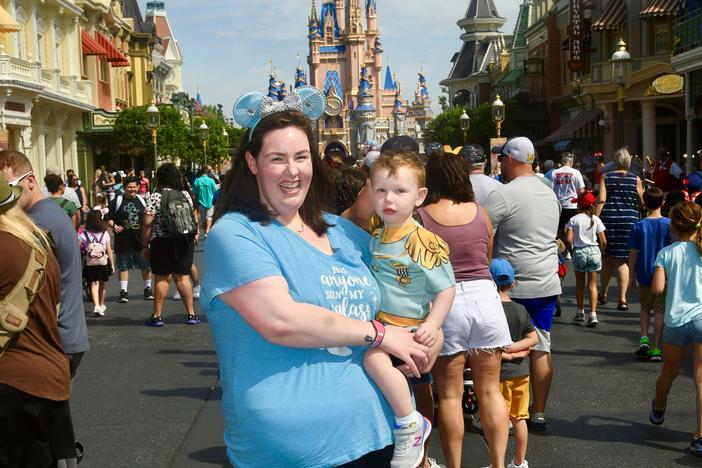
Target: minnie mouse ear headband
pixel 586 199
pixel 251 108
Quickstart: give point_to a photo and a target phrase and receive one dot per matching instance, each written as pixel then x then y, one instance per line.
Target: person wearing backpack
pixel 36 428
pixel 125 217
pixel 169 230
pixel 98 263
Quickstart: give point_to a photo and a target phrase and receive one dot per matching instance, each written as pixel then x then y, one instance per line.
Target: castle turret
pixel 300 78
pixel 397 113
pixel 329 26
pixel 365 111
pixel 353 24
pixel 313 23
pixel 273 90
pixel 283 92
pixel 371 15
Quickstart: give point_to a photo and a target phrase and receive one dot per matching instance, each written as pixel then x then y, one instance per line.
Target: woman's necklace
pixel 302 227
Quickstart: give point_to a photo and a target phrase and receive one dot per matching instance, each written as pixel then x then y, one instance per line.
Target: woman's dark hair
pixel 348 183
pixel 671 199
pixel 94 222
pixel 130 180
pixel 241 193
pixel 168 176
pixel 448 176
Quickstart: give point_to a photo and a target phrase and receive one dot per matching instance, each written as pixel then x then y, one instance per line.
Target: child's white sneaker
pixel 99 311
pixel 592 321
pixel 523 465
pixel 409 444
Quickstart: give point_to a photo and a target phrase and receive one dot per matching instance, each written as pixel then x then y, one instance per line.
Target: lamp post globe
pixel 204 135
pixel 153 120
pixel 498 113
pixel 464 121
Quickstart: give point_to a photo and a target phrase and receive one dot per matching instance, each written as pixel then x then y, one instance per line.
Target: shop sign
pixel 14 106
pixel 103 120
pixel 668 84
pixel 576 34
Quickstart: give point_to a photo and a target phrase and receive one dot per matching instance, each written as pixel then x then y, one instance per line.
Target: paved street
pixel 148 397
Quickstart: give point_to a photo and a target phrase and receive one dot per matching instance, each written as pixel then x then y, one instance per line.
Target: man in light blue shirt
pixel 204 189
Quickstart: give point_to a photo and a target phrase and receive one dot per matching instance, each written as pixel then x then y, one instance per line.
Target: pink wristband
pixel 379 333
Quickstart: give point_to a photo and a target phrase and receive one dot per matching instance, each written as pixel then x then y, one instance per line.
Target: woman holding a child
pixel 289 299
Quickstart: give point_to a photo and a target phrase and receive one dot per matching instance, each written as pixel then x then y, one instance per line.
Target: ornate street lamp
pixel 621 67
pixel 153 120
pixel 204 135
pixel 498 114
pixel 464 120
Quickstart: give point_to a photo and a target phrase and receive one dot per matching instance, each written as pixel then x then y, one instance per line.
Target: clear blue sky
pixel 226 44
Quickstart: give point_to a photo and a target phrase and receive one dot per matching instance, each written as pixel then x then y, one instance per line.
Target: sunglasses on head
pixel 16 182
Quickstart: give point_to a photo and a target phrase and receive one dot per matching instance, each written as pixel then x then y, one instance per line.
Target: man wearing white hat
pixel 525 213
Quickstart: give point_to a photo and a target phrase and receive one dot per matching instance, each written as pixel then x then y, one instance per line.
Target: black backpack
pixel 177 217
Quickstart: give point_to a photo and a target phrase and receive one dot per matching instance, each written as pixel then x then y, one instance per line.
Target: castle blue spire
pixel 423 85
pixel 283 91
pixel 329 14
pixel 273 87
pixel 371 4
pixel 300 78
pixel 389 81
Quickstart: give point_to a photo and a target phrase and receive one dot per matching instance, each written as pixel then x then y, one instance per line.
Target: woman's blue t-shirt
pixel 291 407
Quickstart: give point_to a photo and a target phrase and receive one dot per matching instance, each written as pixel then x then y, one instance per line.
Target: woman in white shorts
pixel 476 328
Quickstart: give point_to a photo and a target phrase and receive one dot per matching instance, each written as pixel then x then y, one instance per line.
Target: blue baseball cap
pixel 502 272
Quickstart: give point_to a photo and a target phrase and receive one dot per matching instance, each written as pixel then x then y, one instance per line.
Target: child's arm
pixel 428 331
pixel 111 256
pixel 524 344
pixel 658 283
pixel 569 238
pixel 603 241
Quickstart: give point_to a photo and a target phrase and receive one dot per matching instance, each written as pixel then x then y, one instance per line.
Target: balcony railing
pixel 687 32
pixel 602 72
pixel 50 81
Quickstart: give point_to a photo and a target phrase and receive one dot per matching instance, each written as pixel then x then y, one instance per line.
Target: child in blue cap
pixel 514 375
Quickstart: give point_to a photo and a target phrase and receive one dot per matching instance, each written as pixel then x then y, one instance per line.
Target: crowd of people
pixel 48 224
pixel 337 317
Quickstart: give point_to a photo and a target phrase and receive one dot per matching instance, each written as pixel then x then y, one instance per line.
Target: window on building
pixel 41 32
pixel 20 44
pixel 661 39
pixel 84 67
pixel 58 51
pixel 104 71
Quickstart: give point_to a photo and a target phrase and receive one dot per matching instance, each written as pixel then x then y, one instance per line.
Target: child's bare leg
pixel 102 292
pixel 392 383
pixel 521 437
pixel 580 289
pixel 592 288
pixel 697 375
pixel 645 320
pixel 671 366
pixel 95 292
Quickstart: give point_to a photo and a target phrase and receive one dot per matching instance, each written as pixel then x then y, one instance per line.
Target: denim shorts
pixel 587 259
pixel 684 335
pixel 131 260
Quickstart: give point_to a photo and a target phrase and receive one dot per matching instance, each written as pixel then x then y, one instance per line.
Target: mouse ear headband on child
pixel 251 108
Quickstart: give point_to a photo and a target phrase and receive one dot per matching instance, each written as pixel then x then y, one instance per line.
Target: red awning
pixel 613 17
pixel 660 8
pixel 114 56
pixel 90 45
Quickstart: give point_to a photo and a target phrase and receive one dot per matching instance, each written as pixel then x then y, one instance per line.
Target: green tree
pixel 446 127
pixel 219 147
pixel 133 136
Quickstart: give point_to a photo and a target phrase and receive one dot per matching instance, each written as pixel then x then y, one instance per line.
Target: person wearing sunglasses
pixel 50 217
pixel 524 213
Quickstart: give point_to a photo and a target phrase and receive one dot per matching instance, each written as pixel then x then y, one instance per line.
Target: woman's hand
pixel 425 366
pixel 400 343
pixel 118 228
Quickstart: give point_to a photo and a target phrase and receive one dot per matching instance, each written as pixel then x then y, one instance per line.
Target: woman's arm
pixel 491 237
pixel 266 305
pixel 639 191
pixel 658 283
pixel 601 197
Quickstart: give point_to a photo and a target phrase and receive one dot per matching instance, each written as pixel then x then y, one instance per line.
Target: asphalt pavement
pixel 149 397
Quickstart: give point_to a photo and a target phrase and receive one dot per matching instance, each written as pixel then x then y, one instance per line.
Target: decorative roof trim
pixel 612 18
pixel 660 8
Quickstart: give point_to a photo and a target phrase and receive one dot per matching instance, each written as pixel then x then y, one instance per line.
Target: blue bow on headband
pixel 251 108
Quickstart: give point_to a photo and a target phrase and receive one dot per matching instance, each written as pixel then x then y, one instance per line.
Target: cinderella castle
pixel 364 102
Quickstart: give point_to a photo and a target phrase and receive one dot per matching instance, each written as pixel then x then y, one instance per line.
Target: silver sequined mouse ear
pixel 313 101
pixel 247 109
